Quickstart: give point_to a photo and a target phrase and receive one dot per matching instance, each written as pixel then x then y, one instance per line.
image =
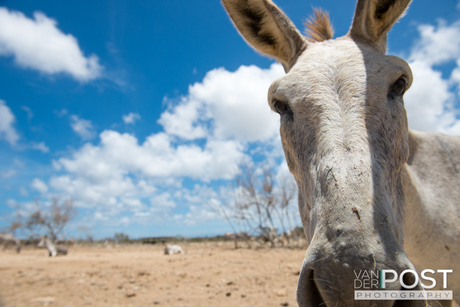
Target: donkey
pixel 171 249
pixel 373 194
pixel 9 239
pixel 52 248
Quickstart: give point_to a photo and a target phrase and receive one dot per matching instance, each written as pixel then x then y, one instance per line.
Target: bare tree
pixel 220 207
pixel 257 201
pixel 50 220
pixel 59 217
pixel 286 192
pixel 89 237
pixel 14 225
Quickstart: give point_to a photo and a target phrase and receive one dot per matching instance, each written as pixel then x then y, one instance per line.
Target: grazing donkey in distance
pixel 52 248
pixel 373 194
pixel 8 239
pixel 171 249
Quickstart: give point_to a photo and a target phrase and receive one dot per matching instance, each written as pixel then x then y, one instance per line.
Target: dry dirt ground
pixel 208 274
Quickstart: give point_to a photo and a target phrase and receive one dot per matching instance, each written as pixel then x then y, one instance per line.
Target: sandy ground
pixel 208 274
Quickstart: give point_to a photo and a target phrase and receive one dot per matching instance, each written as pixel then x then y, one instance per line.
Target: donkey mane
pixel 318 26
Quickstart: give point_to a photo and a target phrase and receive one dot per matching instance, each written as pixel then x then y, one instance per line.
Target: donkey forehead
pixel 338 67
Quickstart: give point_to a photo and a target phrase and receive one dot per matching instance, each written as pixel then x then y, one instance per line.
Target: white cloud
pixel 61 113
pixel 29 112
pixel 427 98
pixel 131 118
pixel 18 162
pixel 196 215
pixel 121 174
pixel 12 203
pixel 430 101
pixel 238 102
pixel 87 193
pixel 198 200
pixel 120 154
pixel 163 200
pixel 437 44
pixel 39 185
pixel 9 173
pixel 23 191
pixel 8 132
pixel 100 216
pixel 41 146
pixel 181 120
pixel 7 119
pixel 82 127
pixel 38 44
pixel 124 221
pixel 455 76
pixel 235 102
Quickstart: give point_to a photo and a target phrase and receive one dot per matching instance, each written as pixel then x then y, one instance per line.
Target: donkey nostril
pixel 308 293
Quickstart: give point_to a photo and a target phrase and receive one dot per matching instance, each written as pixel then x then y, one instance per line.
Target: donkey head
pixel 345 136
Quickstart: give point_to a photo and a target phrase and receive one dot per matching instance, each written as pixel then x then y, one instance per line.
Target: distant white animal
pixel 8 239
pixel 173 249
pixel 52 248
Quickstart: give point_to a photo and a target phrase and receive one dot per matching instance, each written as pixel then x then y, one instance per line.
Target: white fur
pixel 52 248
pixel 171 249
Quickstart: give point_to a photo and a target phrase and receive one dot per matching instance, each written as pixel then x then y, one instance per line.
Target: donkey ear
pixel 266 28
pixel 374 18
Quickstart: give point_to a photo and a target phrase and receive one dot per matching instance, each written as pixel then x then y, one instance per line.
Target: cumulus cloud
pixel 120 174
pixel 39 44
pixel 437 44
pixel 39 185
pixel 181 120
pixel 198 200
pixel 86 193
pixel 430 102
pixel 7 119
pixel 131 118
pixel 236 102
pixel 82 127
pixel 119 154
pixel 163 200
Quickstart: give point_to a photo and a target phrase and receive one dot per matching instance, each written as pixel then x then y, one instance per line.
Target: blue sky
pixel 141 111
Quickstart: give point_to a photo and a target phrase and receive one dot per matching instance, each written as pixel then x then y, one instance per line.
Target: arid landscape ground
pixel 208 274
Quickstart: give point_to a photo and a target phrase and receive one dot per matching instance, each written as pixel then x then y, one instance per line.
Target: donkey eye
pixel 399 86
pixel 281 107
